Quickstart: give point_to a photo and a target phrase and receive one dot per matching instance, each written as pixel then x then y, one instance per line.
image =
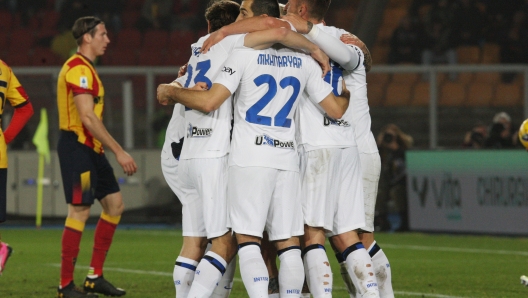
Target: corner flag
pixel 40 139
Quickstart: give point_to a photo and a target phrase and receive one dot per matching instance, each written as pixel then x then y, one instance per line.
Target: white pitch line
pixel 455 249
pixel 124 270
pixel 146 272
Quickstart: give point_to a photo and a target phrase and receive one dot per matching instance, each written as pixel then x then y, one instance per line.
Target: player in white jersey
pixel 199 180
pixel 303 14
pixel 263 154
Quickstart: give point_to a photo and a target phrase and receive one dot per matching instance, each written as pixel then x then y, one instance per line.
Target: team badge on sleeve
pixel 83 82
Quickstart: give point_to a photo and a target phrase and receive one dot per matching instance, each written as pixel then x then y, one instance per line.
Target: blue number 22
pixel 280 119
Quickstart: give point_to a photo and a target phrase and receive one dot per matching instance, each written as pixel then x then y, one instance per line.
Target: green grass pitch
pixel 141 261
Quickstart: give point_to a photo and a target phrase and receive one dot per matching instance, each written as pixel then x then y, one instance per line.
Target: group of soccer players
pixel 264 141
pixel 299 161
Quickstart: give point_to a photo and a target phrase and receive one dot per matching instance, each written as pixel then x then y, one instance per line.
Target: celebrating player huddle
pixel 292 164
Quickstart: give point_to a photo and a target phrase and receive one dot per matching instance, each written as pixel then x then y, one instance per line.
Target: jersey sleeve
pixel 231 73
pixel 316 86
pixel 345 55
pixel 80 80
pixel 16 94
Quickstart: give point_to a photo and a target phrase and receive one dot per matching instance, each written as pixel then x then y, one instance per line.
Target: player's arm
pixel 23 109
pixel 266 38
pixel 351 39
pixel 244 26
pixel 163 93
pixel 85 106
pixel 204 101
pixel 333 47
pixel 336 106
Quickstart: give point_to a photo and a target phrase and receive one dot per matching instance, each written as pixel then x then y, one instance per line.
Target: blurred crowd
pixel 433 29
pixel 155 14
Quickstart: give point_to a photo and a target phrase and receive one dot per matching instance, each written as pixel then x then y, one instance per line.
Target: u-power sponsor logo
pixel 265 140
pixel 196 132
pixel 335 122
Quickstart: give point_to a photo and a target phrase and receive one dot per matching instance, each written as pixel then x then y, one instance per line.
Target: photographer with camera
pixel 391 204
pixel 502 135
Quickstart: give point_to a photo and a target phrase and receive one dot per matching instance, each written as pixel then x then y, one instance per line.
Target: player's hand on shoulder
pixel 126 162
pixel 200 86
pixel 322 59
pixel 351 39
pixel 183 70
pixel 300 24
pixel 213 39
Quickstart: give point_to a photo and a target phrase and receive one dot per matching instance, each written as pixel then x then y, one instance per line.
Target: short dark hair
pixel 269 7
pixel 85 25
pixel 211 2
pixel 317 9
pixel 222 13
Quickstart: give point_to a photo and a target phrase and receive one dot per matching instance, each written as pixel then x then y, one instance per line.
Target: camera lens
pixel 388 138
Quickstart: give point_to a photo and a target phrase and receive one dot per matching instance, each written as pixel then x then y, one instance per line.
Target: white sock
pixel 253 270
pixel 208 274
pixel 183 275
pixel 223 289
pixel 365 281
pixel 276 295
pixel 347 280
pixel 318 271
pixel 291 272
pixel 382 269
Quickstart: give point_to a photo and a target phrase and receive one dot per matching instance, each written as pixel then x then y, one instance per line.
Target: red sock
pixel 71 238
pixel 104 233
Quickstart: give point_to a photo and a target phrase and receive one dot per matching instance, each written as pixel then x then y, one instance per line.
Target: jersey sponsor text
pixel 265 140
pixel 196 132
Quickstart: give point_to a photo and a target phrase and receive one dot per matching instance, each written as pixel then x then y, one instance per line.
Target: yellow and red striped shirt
pixel 78 76
pixel 11 90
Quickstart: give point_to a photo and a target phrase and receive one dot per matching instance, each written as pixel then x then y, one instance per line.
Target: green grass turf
pixel 141 261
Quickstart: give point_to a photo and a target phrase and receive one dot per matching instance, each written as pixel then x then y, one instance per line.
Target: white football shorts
pixel 371 167
pixel 264 199
pixel 204 211
pixel 332 190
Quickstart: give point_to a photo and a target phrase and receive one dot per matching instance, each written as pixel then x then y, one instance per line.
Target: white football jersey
pixel 268 84
pixel 175 131
pixel 358 109
pixel 207 134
